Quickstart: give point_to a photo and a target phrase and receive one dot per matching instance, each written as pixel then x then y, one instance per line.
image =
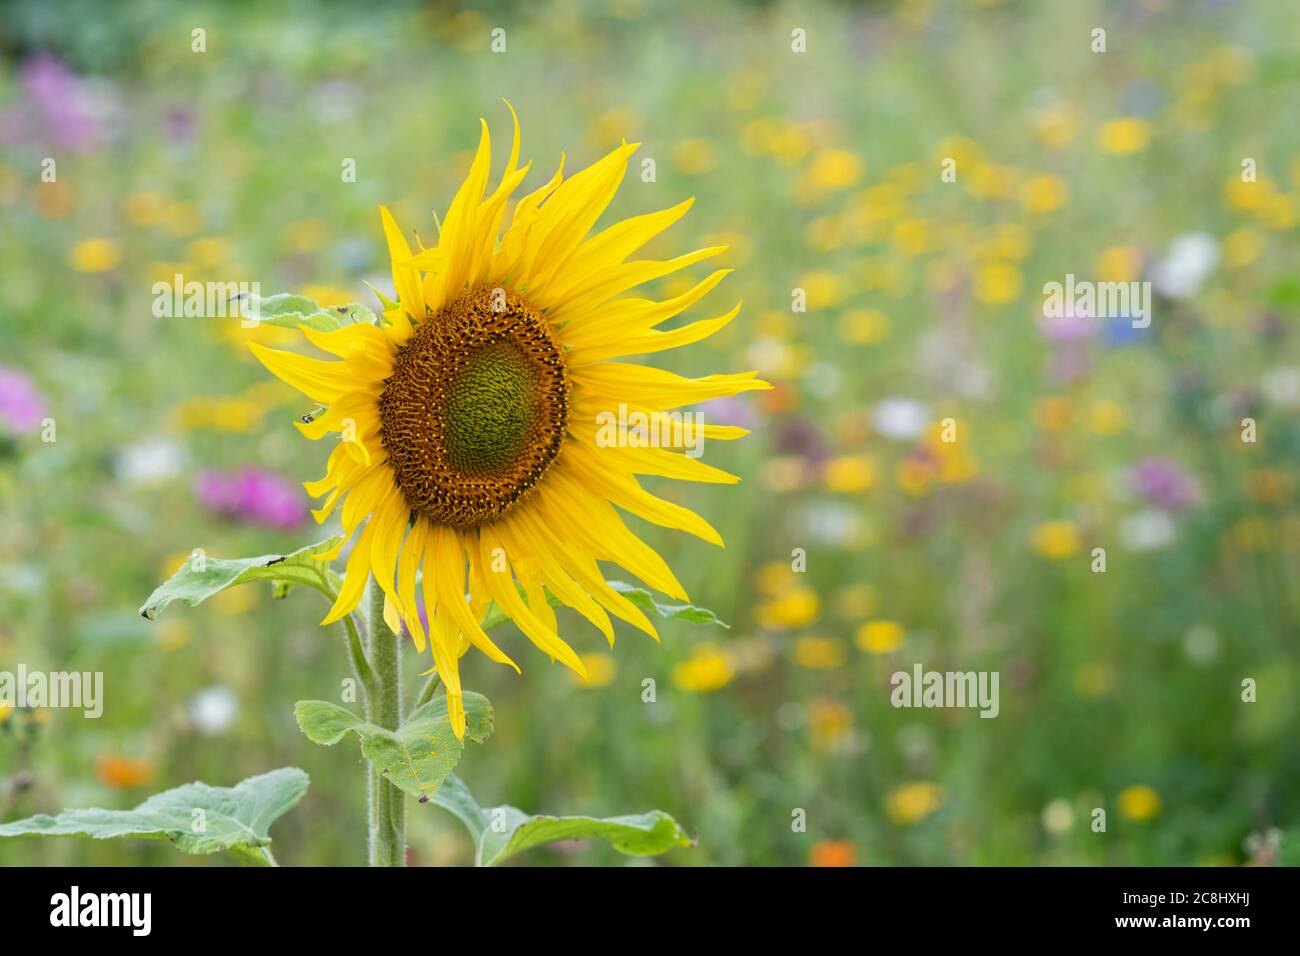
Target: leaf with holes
pixel 502 832
pixel 196 818
pixel 681 612
pixel 287 310
pixel 201 576
pixel 419 755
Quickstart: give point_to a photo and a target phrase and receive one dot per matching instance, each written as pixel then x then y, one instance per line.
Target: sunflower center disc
pixel 476 408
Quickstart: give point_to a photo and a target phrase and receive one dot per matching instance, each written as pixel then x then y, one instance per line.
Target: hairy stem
pixel 384 709
pixel 359 663
pixel 426 694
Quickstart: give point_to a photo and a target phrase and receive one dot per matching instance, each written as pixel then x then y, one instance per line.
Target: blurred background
pixel 1120 689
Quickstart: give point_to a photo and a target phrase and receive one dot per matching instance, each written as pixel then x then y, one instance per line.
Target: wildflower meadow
pixel 739 434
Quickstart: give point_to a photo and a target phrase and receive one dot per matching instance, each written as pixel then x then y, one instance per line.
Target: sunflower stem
pixel 384 709
pixel 359 663
pixel 426 694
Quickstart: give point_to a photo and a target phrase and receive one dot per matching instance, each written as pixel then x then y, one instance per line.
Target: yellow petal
pixel 598 290
pixel 446 553
pixel 502 587
pixel 391 518
pixel 651 341
pixel 624 317
pixel 626 492
pixel 408 565
pixel 458 239
pixel 661 462
pixel 343 341
pixel 324 382
pixel 391 616
pixel 568 216
pixel 506 262
pixel 354 578
pixel 406 280
pixel 625 383
pixel 560 582
pixel 611 246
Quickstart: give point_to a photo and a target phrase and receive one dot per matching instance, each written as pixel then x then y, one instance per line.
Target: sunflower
pixel 474 457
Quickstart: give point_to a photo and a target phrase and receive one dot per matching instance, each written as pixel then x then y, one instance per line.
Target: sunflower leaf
pixel 419 755
pixel 502 832
pixel 200 576
pixel 282 304
pixel 682 612
pixel 196 818
pixel 287 310
pixel 291 311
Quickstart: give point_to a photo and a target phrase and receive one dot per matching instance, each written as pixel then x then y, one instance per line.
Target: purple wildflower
pixel 21 406
pixel 800 436
pixel 252 496
pixel 1164 483
pixel 1069 363
pixel 61 102
pixel 727 411
pixel 1067 327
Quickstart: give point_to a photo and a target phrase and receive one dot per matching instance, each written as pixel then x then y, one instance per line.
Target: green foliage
pixel 419 755
pixel 287 310
pixel 201 576
pixel 1109 680
pixel 502 832
pixel 196 818
pixel 680 612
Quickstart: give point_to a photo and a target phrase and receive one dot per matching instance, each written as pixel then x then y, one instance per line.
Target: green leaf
pixel 233 818
pixel 290 311
pixel 682 612
pixel 283 304
pixel 501 832
pixel 419 755
pixel 637 595
pixel 201 577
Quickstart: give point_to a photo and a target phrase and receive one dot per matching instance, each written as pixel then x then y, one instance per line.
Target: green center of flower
pixel 488 410
pixel 476 408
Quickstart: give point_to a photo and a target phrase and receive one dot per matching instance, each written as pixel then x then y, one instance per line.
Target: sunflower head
pixel 476 464
pixel 476 408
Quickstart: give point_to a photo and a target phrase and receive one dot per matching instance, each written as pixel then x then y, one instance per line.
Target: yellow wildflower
pixel 820 653
pixel 880 637
pixel 997 283
pixel 706 670
pixel 1119 264
pixel 1056 540
pixel 832 169
pixel 1139 803
pixel 694 156
pixel 795 608
pixel 863 326
pixel 95 255
pixel 600 670
pixel 1044 194
pixel 849 474
pixel 1123 136
pixel 913 802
